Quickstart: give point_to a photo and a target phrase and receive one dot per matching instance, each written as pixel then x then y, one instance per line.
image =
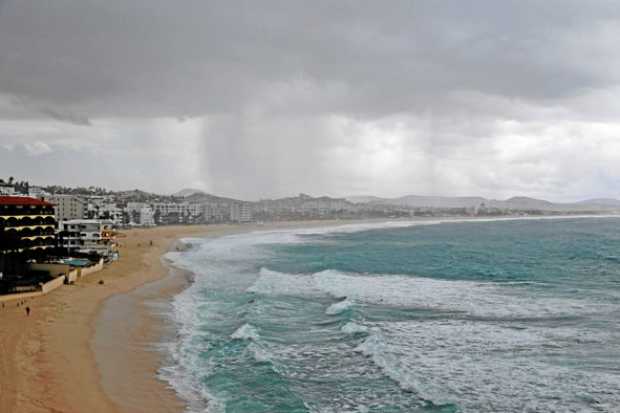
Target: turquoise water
pixel 500 316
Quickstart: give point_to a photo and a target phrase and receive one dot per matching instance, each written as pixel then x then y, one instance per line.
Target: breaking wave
pixel 476 299
pixel 245 332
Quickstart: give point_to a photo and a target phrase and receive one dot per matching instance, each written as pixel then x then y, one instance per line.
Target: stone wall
pixel 92 269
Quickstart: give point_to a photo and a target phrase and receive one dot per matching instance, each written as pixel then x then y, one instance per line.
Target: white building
pixel 37 192
pixel 214 212
pixel 68 207
pixel 178 213
pixel 147 217
pixel 6 189
pixel 95 202
pixel 112 213
pixel 240 213
pixel 135 207
pixel 105 208
pixel 87 236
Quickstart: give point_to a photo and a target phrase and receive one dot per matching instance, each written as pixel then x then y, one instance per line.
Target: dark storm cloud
pixel 276 97
pixel 194 57
pixel 34 108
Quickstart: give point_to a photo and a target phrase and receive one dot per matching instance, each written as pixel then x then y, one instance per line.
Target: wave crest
pixel 477 299
pixel 339 307
pixel 354 328
pixel 246 332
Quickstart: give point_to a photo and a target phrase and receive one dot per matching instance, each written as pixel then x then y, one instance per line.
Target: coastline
pixel 131 327
pixel 55 360
pixel 50 361
pixel 129 350
pixel 151 300
pixel 47 361
pixel 130 330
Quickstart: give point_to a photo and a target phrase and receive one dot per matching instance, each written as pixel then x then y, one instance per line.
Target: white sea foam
pixel 489 300
pixel 277 283
pixel 487 367
pixel 339 307
pixel 425 357
pixel 259 353
pixel 353 328
pixel 246 332
pixel 185 359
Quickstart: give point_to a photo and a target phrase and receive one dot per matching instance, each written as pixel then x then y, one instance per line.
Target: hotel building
pixel 68 207
pixel 240 213
pixel 87 236
pixel 27 231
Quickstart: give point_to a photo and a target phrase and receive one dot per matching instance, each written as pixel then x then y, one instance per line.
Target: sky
pixel 266 99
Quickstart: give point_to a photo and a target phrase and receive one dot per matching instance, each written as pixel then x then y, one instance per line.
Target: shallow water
pixel 506 316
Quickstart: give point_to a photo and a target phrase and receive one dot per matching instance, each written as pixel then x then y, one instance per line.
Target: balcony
pixel 24 232
pixel 20 212
pixel 26 220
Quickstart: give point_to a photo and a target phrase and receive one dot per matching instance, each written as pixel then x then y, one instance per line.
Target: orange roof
pixel 22 200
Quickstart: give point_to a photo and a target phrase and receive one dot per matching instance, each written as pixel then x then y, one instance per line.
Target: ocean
pixel 484 316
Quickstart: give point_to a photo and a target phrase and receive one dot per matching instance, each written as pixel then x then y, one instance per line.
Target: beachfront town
pixel 52 235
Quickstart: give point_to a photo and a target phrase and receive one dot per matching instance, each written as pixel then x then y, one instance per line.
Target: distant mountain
pixel 417 201
pixel 184 193
pixel 200 196
pixel 603 202
pixel 524 203
pixel 440 201
pixel 361 199
pixel 519 203
pixel 135 192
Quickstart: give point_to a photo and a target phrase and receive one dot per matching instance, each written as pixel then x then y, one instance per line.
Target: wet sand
pixel 47 363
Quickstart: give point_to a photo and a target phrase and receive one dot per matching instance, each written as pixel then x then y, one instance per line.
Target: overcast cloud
pixel 269 98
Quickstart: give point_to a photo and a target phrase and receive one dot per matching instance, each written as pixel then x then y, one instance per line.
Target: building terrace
pixel 26 225
pixel 27 234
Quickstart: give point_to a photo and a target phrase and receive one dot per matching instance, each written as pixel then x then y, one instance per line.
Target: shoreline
pixel 55 360
pixel 178 280
pixel 49 360
pixel 148 303
pixel 131 332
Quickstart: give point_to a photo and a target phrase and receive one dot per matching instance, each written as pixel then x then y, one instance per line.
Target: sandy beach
pixel 93 348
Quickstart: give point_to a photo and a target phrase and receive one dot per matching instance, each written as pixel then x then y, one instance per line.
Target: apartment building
pixel 27 230
pixel 87 236
pixel 68 207
pixel 146 217
pixel 240 213
pixel 167 213
pixel 105 208
pixel 216 212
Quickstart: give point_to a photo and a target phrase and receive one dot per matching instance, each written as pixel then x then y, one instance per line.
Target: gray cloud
pixel 196 57
pixel 348 96
pixel 33 109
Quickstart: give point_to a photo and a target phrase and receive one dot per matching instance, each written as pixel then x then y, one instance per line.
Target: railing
pixel 32 227
pixel 32 231
pixel 27 220
pixel 38 241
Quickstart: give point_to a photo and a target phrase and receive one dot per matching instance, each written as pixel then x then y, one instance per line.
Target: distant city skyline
pixel 267 99
pixel 186 191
